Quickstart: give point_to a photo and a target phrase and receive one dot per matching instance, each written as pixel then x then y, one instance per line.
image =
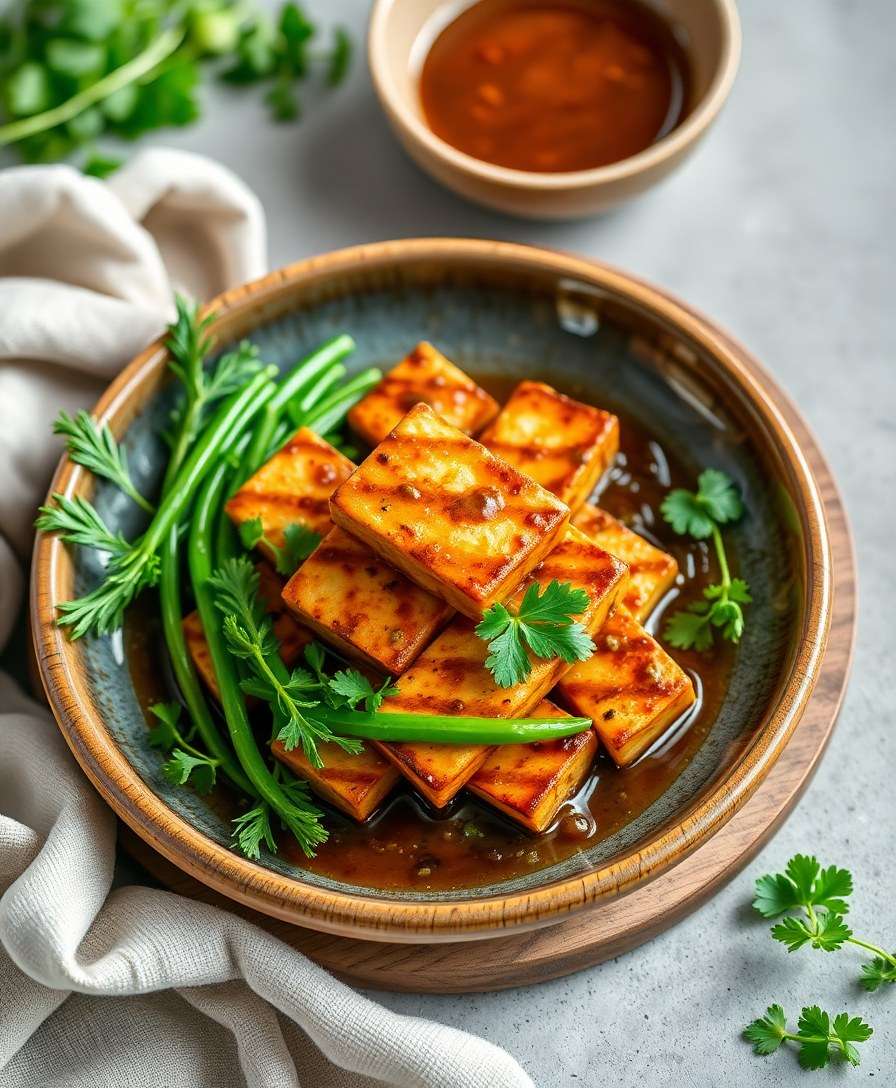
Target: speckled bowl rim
pixel 424 920
pixel 668 147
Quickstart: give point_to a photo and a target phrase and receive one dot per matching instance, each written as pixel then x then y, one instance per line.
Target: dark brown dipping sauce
pixel 551 87
pixel 407 845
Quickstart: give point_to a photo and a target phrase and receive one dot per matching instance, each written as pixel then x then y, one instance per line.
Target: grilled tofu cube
pixel 293 487
pixel 450 676
pixel 356 784
pixel 456 519
pixel 651 571
pixel 564 445
pixel 529 782
pixel 362 606
pixel 630 688
pixel 292 637
pixel 423 377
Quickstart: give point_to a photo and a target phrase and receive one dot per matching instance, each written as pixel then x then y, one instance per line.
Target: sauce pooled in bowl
pixel 555 86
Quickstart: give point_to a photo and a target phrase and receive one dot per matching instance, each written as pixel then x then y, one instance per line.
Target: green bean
pixel 294 384
pixel 446 728
pixel 331 409
pixel 302 822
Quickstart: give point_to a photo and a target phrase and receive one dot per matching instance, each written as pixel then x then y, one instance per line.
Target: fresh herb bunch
pixel 543 623
pixel 74 71
pixel 699 514
pixel 819 1035
pixel 820 897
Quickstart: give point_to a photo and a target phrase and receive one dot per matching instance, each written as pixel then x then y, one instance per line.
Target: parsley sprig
pixel 299 543
pixel 700 514
pixel 818 1034
pixel 820 897
pixel 543 623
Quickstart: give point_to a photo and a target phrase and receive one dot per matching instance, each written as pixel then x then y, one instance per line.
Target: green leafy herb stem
pixel 700 514
pixel 818 1034
pixel 820 894
pixel 93 446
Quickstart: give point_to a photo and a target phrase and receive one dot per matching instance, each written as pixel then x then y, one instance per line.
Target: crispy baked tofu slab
pixel 651 571
pixel 529 782
pixel 425 376
pixel 293 638
pixel 368 610
pixel 456 519
pixel 630 688
pixel 293 487
pixel 450 676
pixel 564 445
pixel 356 784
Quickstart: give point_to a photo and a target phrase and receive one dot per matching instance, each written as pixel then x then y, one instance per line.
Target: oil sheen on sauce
pixel 407 845
pixel 555 85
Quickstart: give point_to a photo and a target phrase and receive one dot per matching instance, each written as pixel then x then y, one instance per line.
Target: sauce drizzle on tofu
pixel 407 844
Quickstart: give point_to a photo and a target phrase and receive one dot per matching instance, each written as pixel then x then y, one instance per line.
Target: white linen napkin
pixel 87 270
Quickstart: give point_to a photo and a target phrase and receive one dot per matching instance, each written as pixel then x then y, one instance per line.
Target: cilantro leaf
pixel 164 733
pixel 803 883
pixel 768 1032
pixel 543 622
pixel 340 58
pixel 877 973
pixel 718 496
pixel 817 1035
pixel 689 629
pixel 354 688
pixel 684 512
pixel 198 770
pixel 827 931
pixel 299 543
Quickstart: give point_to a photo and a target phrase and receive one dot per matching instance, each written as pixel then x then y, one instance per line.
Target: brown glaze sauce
pixel 555 85
pixel 406 844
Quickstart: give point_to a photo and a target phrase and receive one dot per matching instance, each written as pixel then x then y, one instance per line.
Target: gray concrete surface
pixel 782 228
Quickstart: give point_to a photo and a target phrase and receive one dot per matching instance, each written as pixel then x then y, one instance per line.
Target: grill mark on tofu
pixel 529 782
pixel 452 516
pixel 631 688
pixel 362 606
pixel 294 486
pixel 424 376
pixel 450 676
pixel 356 784
pixel 564 445
pixel 651 571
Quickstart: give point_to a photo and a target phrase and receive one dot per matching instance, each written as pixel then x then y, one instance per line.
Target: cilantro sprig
pixel 75 71
pixel 543 623
pixel 185 763
pixel 820 897
pixel 699 514
pixel 299 543
pixel 820 1036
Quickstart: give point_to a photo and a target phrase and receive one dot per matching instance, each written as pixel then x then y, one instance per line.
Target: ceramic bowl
pixel 400 34
pixel 497 309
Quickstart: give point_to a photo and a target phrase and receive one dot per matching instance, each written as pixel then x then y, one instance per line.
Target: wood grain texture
pixel 721 367
pixel 620 925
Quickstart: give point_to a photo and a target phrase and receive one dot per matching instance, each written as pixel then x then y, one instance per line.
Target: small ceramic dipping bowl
pixel 401 33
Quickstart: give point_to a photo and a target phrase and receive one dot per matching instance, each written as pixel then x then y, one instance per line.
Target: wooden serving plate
pixel 607 929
